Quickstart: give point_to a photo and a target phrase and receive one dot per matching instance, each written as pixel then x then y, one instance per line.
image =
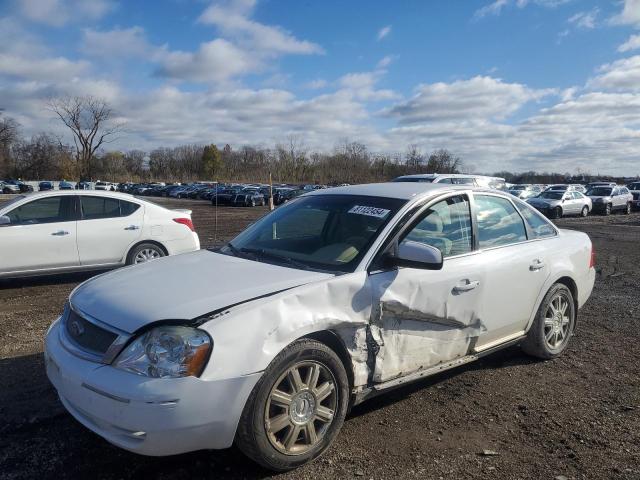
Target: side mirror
pixel 4 220
pixel 416 255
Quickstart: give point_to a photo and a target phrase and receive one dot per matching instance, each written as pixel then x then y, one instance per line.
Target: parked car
pixel 559 203
pixel 8 187
pixel 634 188
pixel 525 191
pixel 45 186
pixel 248 198
pixel 337 296
pixel 64 231
pixel 63 185
pixel 108 186
pixel 610 199
pixel 600 184
pixel 82 185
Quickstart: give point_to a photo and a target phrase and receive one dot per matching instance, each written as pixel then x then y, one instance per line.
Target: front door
pixel 425 317
pixel 41 236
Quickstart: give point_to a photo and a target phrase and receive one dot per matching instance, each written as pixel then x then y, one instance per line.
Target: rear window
pixel 538 225
pixel 499 223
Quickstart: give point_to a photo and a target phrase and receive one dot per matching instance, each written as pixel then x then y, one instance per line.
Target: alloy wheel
pixel 146 255
pixel 557 321
pixel 301 407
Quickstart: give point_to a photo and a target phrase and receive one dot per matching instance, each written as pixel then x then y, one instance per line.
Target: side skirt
pixel 371 391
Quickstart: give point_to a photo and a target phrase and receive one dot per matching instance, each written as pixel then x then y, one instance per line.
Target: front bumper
pixel 146 415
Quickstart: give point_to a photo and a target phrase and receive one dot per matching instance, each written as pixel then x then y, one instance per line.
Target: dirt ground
pixel 506 416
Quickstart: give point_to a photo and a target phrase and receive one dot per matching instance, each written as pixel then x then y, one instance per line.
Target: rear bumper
pixel 144 415
pixel 190 243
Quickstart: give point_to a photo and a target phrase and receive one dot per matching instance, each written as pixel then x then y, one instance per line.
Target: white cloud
pixel 215 61
pixel 632 43
pixel 60 12
pixel 384 62
pixel 630 14
pixel 478 97
pixel 362 85
pixel 496 7
pixel 316 84
pixel 623 74
pixel 232 19
pixel 585 20
pixel 40 69
pixel 384 31
pixel 119 42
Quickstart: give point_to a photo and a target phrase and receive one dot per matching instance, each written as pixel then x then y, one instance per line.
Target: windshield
pixel 321 232
pixel 552 195
pixel 600 192
pixel 413 179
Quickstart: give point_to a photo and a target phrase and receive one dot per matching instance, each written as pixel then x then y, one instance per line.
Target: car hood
pixel 182 287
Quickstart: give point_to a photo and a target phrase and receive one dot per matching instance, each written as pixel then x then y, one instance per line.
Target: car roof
pixel 400 190
pixel 97 193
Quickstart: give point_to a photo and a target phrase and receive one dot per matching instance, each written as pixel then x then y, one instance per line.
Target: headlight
pixel 167 352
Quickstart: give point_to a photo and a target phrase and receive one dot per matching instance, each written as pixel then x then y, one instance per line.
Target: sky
pixel 505 84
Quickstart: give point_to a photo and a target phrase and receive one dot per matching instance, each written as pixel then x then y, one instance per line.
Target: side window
pixel 538 225
pixel 498 222
pixel 45 210
pixel 445 180
pixel 99 207
pixel 464 181
pixel 446 226
pixel 127 208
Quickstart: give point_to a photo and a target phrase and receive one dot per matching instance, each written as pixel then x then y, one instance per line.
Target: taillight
pixel 185 221
pixel 592 261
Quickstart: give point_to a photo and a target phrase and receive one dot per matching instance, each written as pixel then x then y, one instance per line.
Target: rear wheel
pixel 554 324
pixel 585 211
pixel 557 212
pixel 143 253
pixel 296 409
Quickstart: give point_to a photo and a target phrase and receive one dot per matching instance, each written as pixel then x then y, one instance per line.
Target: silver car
pixel 556 203
pixel 525 191
pixel 610 199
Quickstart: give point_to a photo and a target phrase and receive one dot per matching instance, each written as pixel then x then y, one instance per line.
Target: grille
pixel 88 336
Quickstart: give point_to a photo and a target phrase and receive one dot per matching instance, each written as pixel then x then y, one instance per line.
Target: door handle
pixel 132 227
pixel 536 265
pixel 466 286
pixel 60 233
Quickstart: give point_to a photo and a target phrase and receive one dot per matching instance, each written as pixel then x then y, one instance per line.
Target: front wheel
pixel 607 209
pixel 627 210
pixel 557 213
pixel 296 409
pixel 585 211
pixel 553 326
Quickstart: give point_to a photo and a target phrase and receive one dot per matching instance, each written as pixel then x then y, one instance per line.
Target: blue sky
pixel 505 84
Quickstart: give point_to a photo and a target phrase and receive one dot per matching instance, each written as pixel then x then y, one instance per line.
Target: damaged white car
pixel 334 297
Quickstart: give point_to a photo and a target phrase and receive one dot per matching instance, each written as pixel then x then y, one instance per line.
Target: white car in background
pixel 60 231
pixel 330 299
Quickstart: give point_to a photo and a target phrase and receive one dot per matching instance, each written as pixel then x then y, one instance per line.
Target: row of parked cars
pixel 560 200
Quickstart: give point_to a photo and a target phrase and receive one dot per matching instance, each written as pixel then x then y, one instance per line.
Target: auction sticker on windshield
pixel 369 211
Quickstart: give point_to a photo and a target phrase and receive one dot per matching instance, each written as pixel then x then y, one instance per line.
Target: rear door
pixel 108 227
pixel 41 235
pixel 428 317
pixel 514 265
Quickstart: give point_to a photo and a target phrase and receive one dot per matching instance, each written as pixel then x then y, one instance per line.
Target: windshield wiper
pixel 264 253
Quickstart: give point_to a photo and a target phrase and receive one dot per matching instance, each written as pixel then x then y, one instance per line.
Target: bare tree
pixel 89 119
pixel 8 136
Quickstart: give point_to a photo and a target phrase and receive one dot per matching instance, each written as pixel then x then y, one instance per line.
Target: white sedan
pixel 336 296
pixel 60 231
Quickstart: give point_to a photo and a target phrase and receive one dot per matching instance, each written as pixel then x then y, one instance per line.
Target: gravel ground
pixel 506 416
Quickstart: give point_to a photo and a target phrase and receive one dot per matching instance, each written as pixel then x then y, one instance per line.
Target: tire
pixel 627 210
pixel 585 211
pixel 549 335
pixel 557 213
pixel 270 448
pixel 607 210
pixel 144 252
pixel 253 202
